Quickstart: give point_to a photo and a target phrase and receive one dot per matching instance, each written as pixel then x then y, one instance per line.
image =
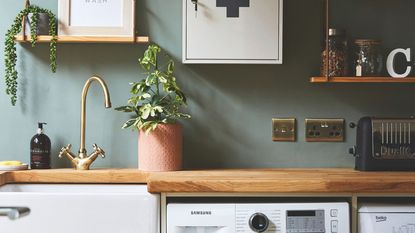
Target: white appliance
pixel 258 217
pixel 78 208
pixel 386 218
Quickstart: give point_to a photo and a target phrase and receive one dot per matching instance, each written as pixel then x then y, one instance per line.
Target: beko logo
pixel 200 212
pixel 381 218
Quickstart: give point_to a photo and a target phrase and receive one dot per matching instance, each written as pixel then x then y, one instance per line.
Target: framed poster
pixel 111 18
pixel 232 31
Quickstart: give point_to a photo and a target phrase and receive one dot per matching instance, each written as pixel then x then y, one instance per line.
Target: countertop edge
pixel 294 181
pixel 97 176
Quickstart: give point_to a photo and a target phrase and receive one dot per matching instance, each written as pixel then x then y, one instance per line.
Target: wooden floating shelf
pixel 86 39
pixel 362 80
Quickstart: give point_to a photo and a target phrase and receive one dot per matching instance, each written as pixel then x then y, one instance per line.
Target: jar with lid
pixel 337 57
pixel 369 58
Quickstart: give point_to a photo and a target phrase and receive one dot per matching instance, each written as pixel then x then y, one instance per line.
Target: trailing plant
pixel 11 73
pixel 157 98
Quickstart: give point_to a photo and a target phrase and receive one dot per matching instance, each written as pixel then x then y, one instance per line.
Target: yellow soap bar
pixel 10 163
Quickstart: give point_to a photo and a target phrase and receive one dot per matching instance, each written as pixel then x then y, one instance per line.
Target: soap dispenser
pixel 40 149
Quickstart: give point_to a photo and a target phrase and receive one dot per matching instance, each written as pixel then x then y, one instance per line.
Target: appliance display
pixel 386 218
pixel 385 144
pixel 258 217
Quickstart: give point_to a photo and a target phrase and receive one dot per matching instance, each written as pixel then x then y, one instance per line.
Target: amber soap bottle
pixel 40 149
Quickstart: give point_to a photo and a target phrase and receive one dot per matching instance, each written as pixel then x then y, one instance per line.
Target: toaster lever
pixel 353 151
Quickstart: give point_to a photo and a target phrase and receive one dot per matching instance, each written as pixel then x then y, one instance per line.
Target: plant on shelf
pixel 155 103
pixel 11 73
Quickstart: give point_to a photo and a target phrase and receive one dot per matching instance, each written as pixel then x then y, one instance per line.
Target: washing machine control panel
pixel 305 221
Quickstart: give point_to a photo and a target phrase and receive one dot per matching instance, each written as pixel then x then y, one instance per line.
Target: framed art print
pixel 105 18
pixel 232 31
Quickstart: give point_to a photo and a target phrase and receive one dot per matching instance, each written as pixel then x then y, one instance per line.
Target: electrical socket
pixel 284 129
pixel 324 130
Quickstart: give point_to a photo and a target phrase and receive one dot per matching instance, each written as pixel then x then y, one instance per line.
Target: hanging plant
pixel 11 73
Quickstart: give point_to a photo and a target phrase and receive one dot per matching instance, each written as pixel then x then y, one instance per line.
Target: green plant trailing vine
pixel 11 73
pixel 156 99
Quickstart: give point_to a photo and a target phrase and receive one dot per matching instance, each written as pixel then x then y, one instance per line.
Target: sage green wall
pixel 232 105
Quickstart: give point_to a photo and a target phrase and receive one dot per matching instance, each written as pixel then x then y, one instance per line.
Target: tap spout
pixel 83 161
pixel 82 149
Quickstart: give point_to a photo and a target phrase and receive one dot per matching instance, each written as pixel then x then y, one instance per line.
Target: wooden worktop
pixel 231 181
pixel 284 181
pixel 65 176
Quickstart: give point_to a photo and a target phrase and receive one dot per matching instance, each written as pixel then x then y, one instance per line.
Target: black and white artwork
pixel 232 6
pixel 232 31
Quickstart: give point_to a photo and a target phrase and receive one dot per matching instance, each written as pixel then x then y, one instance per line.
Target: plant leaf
pixel 129 123
pixel 125 109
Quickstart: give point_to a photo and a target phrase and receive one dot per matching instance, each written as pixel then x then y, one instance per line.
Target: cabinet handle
pixel 14 212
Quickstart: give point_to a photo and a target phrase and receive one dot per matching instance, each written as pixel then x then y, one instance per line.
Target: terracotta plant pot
pixel 161 149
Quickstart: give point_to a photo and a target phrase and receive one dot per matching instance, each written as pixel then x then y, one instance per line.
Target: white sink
pixel 81 209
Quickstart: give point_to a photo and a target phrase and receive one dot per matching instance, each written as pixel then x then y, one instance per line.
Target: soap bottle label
pixel 40 158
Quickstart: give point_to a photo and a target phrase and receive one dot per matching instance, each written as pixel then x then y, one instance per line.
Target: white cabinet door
pixel 232 31
pixel 81 209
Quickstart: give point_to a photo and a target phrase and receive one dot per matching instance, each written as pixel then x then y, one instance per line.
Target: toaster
pixel 385 144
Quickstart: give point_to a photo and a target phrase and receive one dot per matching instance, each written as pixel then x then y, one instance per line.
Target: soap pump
pixel 40 149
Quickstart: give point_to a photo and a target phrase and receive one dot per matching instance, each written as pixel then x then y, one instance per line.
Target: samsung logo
pixel 381 218
pixel 202 212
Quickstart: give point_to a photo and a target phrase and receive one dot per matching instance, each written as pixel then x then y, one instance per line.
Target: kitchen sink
pixel 79 208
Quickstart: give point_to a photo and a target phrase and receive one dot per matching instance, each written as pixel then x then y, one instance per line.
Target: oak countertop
pixel 230 181
pixel 284 181
pixel 65 176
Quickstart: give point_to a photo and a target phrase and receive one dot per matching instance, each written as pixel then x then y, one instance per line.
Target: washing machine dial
pixel 258 222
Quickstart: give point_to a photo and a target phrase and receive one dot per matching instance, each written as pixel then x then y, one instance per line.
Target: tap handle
pixel 98 150
pixel 65 150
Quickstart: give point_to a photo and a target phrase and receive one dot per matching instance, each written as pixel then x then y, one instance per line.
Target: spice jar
pixel 337 55
pixel 369 58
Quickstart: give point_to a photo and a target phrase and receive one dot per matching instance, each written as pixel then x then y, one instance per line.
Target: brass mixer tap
pixel 83 161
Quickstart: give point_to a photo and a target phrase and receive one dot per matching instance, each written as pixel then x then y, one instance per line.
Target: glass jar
pixel 338 55
pixel 369 58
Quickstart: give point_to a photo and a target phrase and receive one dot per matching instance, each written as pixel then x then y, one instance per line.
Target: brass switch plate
pixel 324 130
pixel 284 129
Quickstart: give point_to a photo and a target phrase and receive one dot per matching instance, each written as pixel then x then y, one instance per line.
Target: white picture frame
pixel 97 18
pixel 254 36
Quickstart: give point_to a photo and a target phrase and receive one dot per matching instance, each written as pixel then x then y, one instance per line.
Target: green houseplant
pixel 11 74
pixel 155 105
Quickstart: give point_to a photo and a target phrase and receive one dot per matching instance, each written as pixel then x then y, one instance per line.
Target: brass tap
pixel 83 161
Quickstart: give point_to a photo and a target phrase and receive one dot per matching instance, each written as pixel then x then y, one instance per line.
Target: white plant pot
pixel 42 24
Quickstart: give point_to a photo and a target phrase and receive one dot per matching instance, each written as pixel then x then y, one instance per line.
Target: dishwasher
pixel 386 218
pixel 78 208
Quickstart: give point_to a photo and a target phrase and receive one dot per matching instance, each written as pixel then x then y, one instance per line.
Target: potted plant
pixel 32 13
pixel 155 103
